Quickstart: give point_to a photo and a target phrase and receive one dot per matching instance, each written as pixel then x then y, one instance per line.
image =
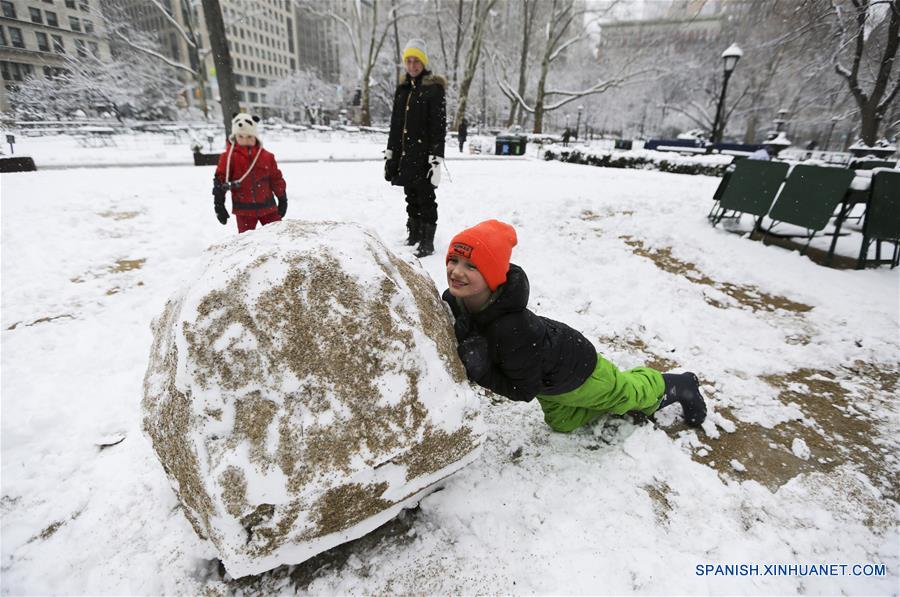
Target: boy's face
pixel 413 66
pixel 465 281
pixel 246 140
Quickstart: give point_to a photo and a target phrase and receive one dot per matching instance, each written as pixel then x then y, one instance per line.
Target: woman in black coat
pixel 415 151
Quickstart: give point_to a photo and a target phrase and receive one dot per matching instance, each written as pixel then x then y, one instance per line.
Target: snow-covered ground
pixel 797 463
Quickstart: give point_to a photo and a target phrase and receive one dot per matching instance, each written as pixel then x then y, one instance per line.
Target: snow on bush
pixel 643 159
pixel 302 389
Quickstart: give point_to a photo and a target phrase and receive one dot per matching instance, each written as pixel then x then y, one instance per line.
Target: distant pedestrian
pixel 415 150
pixel 252 175
pixel 462 133
pixel 567 134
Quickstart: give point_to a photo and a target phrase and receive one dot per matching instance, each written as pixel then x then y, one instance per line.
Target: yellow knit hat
pixel 416 47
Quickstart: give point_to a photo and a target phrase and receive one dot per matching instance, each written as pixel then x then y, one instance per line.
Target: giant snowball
pixel 303 388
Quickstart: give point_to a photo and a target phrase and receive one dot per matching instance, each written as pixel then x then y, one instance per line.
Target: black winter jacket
pixel 529 355
pixel 418 125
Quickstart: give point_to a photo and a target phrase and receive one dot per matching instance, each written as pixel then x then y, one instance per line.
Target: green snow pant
pixel 607 390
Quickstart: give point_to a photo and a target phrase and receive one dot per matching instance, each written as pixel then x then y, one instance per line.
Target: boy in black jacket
pixel 508 349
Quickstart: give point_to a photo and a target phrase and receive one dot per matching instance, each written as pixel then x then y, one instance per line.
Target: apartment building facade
pixel 268 40
pixel 40 37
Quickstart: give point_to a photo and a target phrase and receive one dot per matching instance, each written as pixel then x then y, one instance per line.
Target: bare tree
pixel 122 32
pixel 528 9
pixel 215 28
pixel 563 16
pixel 480 17
pixel 128 84
pixel 366 26
pixel 306 90
pixel 872 50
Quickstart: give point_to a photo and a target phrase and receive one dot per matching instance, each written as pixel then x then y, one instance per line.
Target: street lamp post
pixel 834 121
pixel 730 59
pixel 578 121
pixel 781 120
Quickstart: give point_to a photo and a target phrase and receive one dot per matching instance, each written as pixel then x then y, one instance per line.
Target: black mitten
pixel 221 212
pixel 282 205
pixel 218 192
pixel 473 351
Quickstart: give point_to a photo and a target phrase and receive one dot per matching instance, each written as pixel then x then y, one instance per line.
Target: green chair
pixel 882 219
pixel 750 189
pixel 809 198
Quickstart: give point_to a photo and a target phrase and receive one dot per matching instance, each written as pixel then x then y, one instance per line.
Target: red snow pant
pixel 245 223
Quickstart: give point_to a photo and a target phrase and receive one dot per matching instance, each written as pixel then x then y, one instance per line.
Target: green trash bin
pixel 510 144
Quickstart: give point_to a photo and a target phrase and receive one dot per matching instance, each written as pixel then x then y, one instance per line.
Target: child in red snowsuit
pixel 252 175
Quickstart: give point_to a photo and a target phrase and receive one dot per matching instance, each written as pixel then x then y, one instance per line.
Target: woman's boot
pixel 426 241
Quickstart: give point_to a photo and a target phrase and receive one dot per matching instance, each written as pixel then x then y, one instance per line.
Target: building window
pixel 253 96
pixel 13 71
pixel 83 6
pixel 80 48
pixel 8 10
pixel 47 1
pixel 70 3
pixel 42 42
pixel 75 24
pixel 95 49
pixel 241 96
pixel 36 16
pixel 58 46
pixel 51 18
pixel 88 26
pixel 15 38
pixel 2 37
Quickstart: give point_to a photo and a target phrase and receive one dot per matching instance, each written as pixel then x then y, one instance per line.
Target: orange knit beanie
pixel 488 245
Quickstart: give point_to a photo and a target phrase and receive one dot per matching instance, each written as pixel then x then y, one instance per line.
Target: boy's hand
pixel 434 172
pixel 282 205
pixel 461 327
pixel 473 351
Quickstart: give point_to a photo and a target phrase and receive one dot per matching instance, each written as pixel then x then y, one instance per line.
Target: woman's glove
pixel 434 172
pixel 473 351
pixel 390 165
pixel 282 205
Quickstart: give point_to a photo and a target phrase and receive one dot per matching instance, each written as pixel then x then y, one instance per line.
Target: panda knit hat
pixel 416 47
pixel 244 124
pixel 489 246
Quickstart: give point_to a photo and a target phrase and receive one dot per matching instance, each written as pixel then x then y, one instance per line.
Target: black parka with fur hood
pixel 418 125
